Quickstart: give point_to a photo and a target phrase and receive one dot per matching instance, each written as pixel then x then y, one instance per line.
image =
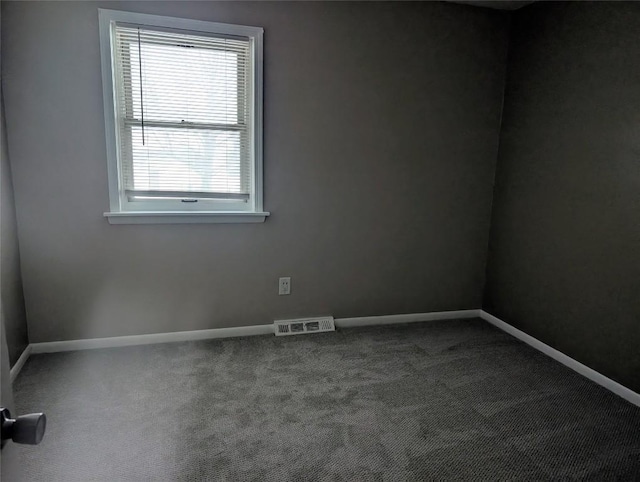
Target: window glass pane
pixel 180 159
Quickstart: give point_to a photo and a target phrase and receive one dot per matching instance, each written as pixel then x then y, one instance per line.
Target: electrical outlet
pixel 284 286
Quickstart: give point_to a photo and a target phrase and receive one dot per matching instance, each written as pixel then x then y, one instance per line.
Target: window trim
pixel 116 215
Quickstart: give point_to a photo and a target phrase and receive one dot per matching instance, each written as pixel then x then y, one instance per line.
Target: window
pixel 183 112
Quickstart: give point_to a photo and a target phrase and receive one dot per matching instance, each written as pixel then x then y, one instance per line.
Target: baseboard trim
pixel 118 341
pixel 15 369
pixel 406 318
pixel 597 377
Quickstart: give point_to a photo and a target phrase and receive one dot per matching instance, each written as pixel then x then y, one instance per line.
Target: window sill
pixel 173 217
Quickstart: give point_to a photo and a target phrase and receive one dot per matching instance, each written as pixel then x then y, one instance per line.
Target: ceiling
pixel 497 4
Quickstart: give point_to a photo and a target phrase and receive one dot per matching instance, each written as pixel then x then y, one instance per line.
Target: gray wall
pixel 11 295
pixel 564 259
pixel 381 127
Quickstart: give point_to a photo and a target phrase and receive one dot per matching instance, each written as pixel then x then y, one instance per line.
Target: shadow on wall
pixel 564 257
pixel 12 297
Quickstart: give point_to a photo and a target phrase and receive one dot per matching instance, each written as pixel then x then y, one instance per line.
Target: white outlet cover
pixel 284 286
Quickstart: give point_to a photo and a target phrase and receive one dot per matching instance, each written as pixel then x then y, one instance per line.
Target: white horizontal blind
pixel 183 106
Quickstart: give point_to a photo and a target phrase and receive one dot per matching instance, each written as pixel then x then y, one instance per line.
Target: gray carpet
pixel 450 400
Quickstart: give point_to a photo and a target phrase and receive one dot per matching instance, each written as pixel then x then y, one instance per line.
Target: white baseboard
pixel 407 318
pixel 569 362
pixel 116 341
pixel 15 369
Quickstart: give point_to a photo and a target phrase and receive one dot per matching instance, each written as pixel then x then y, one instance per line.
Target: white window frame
pixel 119 212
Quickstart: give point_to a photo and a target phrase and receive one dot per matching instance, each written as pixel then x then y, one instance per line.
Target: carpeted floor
pixel 450 400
